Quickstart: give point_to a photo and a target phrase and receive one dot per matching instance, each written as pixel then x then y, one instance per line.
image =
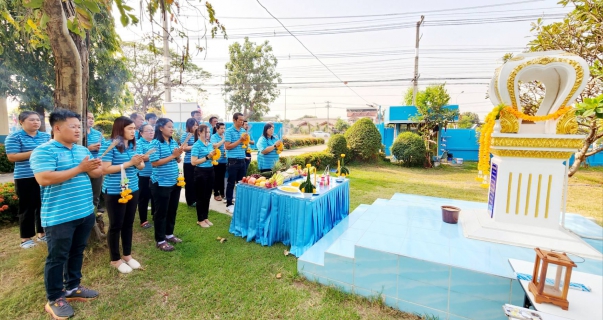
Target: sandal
pixel 174 240
pixel 203 224
pixel 165 247
pixel 123 267
pixel 218 198
pixel 146 225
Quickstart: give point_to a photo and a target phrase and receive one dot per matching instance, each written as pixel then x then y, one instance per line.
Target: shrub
pixel 338 145
pixel 9 203
pixel 5 165
pixel 295 143
pixel 104 126
pixel 364 140
pixel 409 148
pixel 318 159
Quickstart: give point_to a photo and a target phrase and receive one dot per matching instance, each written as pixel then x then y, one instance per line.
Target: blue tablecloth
pixel 269 216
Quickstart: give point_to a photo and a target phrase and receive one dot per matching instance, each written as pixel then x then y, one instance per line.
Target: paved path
pixel 296 152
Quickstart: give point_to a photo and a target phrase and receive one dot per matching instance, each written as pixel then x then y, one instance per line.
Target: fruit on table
pixel 295 184
pixel 262 184
pixel 251 180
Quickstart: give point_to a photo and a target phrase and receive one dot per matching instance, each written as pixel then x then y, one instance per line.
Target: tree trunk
pixel 67 62
pixel 581 155
pixel 40 109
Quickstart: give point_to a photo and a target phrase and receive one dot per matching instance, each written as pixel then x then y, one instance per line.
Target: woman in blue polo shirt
pixel 217 140
pixel 267 145
pixel 121 215
pixel 19 146
pixel 164 188
pixel 201 155
pixel 143 145
pixel 187 168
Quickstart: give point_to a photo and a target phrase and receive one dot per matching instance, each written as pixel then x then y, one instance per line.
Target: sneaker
pixel 173 240
pixel 59 309
pixel 28 244
pixel 42 239
pixel 80 293
pixel 230 208
pixel 123 267
pixel 224 200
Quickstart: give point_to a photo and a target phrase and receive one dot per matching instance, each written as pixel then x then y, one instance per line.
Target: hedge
pixel 409 148
pixel 5 165
pixel 364 140
pixel 9 203
pixel 318 159
pixel 302 142
pixel 338 145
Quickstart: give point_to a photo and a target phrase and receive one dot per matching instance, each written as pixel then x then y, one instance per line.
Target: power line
pixel 391 14
pixel 258 1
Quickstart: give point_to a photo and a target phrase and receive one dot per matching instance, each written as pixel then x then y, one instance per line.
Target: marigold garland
pixel 485 137
pixel 180 179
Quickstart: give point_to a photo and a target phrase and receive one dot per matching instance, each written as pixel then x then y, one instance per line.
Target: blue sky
pixel 455 43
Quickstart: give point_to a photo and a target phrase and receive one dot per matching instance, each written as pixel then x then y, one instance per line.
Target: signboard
pixel 492 193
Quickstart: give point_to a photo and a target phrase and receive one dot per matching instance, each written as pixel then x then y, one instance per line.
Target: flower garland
pixel 126 192
pixel 483 165
pixel 180 179
pixel 217 154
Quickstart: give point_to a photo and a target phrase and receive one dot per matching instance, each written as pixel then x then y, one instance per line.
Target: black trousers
pixel 237 169
pixel 219 173
pixel 189 177
pixel 204 183
pixel 30 206
pixel 144 186
pixel 166 206
pixel 66 243
pixel 121 219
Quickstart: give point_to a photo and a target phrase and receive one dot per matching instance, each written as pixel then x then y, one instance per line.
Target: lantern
pixel 551 278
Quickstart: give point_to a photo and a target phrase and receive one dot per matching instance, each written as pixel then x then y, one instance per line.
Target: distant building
pixel 354 114
pixel 402 117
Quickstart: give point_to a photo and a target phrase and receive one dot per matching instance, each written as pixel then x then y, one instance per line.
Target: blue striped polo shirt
pixel 93 137
pixel 20 141
pixel 69 200
pixel 143 146
pixel 112 181
pixel 233 135
pixel 191 141
pixel 200 150
pixel 165 175
pixel 215 138
pixel 267 161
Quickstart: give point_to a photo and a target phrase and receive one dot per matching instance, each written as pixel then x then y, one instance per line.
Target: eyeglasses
pixel 148 131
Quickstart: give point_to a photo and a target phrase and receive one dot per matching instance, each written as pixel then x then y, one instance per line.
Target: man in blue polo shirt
pixel 237 168
pixel 63 169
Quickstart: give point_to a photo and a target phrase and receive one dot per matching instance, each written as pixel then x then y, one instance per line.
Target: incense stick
pixel 113 144
pixel 188 137
pixel 150 152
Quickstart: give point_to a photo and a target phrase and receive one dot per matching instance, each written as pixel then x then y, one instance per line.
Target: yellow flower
pixel 180 178
pixel 308 165
pixel 343 155
pixel 129 197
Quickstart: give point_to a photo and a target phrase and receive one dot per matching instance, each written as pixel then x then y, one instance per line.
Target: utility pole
pixel 166 58
pixel 328 107
pixel 415 80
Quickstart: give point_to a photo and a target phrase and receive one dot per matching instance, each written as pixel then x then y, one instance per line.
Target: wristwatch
pixel 206 158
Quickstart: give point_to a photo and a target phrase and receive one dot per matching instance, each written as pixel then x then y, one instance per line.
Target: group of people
pixel 59 184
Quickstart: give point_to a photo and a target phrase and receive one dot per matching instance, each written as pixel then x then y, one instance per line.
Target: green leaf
pixel 44 21
pixel 124 20
pixel 91 5
pixel 33 4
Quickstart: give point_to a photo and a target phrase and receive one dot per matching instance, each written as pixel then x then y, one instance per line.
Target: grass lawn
pixel 206 279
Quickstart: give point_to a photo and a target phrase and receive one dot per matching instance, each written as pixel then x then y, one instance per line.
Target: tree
pixel 148 78
pixel 341 125
pixel 580 33
pixel 251 79
pixel 32 83
pixel 432 113
pixel 467 120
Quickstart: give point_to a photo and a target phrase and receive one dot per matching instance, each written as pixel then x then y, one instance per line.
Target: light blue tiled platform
pixel 399 249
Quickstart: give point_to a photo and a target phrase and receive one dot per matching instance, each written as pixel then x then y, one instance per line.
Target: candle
pixel 314 176
pixel 338 167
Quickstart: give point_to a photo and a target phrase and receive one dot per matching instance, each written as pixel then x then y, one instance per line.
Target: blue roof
pixel 404 114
